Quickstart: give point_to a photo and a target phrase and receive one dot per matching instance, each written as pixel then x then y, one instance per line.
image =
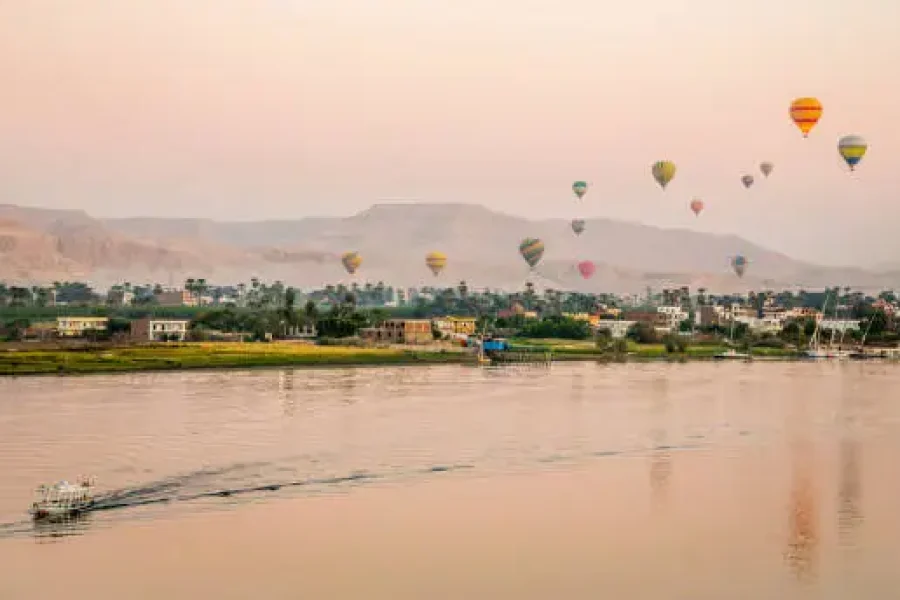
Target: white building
pixel 674 316
pixel 617 329
pixel 152 329
pixel 761 325
pixel 839 325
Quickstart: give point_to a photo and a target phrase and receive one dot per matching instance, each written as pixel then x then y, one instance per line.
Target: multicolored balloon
pixel 351 261
pixel 739 264
pixel 531 249
pixel 806 112
pixel 578 226
pixel 852 149
pixel 747 180
pixel 580 188
pixel 766 168
pixel 663 172
pixel 586 268
pixel 436 261
pixel 697 206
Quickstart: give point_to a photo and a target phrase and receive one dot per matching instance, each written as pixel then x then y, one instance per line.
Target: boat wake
pixel 249 480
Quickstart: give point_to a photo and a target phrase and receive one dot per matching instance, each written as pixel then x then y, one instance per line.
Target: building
pixel 802 312
pixel 659 321
pixel 839 325
pixel 883 305
pixel 305 331
pixel 761 325
pixel 176 298
pixel 674 316
pixel 444 326
pixel 516 310
pixel 152 329
pixel 592 320
pixel 738 311
pixel 40 330
pixel 462 325
pixel 400 331
pixel 711 314
pixel 80 326
pixel 616 329
pixel 609 312
pixel 119 297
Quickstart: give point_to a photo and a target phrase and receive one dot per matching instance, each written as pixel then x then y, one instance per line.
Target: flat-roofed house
pixel 80 326
pixel 155 329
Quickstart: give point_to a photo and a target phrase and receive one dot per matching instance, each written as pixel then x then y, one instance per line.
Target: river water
pixel 583 480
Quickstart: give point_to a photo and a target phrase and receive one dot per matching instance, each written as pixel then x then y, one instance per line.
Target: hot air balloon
pixel 697 206
pixel 532 250
pixel 747 180
pixel 852 149
pixel 586 268
pixel 436 261
pixel 580 188
pixel 806 112
pixel 739 264
pixel 766 168
pixel 577 226
pixel 351 261
pixel 663 172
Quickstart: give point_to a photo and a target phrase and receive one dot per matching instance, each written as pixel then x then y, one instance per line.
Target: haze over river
pixel 640 481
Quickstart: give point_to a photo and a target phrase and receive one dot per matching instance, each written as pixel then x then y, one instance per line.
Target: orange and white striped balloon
pixel 805 113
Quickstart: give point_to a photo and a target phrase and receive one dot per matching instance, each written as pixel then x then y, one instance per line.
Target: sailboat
pixel 860 353
pixel 816 349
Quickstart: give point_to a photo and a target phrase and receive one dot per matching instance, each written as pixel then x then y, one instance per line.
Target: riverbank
pixel 587 350
pixel 163 357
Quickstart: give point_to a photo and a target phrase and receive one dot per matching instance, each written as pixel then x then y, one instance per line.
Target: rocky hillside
pixel 39 245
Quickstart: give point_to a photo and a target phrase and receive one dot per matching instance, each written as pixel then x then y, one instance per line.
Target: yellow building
pixel 78 326
pixel 462 325
pixel 400 331
pixel 592 320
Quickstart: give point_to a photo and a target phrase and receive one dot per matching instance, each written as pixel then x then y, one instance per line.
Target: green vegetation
pixel 192 355
pixel 556 327
pixel 578 350
pixel 209 355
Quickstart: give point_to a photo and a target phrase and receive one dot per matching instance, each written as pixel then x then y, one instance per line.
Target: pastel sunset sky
pixel 259 109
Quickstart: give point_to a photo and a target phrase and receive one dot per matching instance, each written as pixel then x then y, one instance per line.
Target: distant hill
pixel 39 245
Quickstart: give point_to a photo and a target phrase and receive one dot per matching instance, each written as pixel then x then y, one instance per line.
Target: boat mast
pixel 866 332
pixel 815 338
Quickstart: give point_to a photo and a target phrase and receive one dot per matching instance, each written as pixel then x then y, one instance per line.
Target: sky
pixel 268 109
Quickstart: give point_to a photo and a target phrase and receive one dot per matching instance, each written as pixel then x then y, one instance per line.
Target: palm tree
pixel 201 290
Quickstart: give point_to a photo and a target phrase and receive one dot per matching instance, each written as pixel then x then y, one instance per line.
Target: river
pixel 653 480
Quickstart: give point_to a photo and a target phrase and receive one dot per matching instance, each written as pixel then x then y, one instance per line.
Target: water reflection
pixel 849 512
pixel 286 392
pixel 661 452
pixel 849 493
pixel 49 530
pixel 803 527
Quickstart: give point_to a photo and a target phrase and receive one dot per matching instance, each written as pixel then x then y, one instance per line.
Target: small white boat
pixel 62 499
pixel 731 353
pixel 827 353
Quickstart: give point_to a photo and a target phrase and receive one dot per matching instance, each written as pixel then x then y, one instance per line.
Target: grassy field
pixel 207 356
pixel 158 357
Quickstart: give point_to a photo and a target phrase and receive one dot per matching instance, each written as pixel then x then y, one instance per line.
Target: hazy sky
pixel 245 109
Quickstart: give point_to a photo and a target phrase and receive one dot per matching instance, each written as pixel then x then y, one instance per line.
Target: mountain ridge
pixel 38 245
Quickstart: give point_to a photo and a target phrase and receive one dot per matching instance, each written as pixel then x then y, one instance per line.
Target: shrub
pixel 675 343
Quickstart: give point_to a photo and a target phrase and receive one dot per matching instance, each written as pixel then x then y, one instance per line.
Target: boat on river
pixel 731 354
pixel 62 499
